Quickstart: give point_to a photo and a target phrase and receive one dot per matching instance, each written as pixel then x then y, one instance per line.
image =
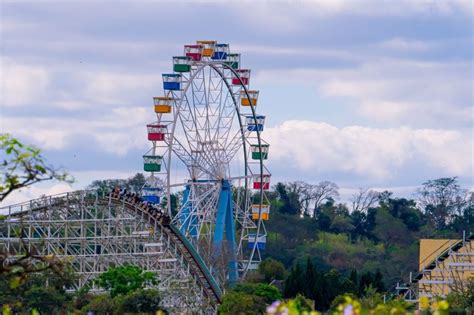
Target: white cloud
pixel 369 152
pixel 288 17
pixel 36 191
pixel 116 88
pixel 119 131
pixel 22 84
pixel 406 45
pixel 387 8
pixel 392 90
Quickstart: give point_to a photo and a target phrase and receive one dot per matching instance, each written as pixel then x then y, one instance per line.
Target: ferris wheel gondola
pixel 207 121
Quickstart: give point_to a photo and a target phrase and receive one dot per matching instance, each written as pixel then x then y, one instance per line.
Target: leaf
pixel 35 312
pixel 40 168
pixel 15 282
pixel 6 309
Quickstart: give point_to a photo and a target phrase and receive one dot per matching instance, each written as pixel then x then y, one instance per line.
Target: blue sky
pixel 364 93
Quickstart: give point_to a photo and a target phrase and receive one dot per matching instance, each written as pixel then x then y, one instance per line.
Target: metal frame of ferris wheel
pixel 205 107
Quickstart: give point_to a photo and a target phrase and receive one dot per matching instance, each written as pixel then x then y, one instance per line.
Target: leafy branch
pixel 22 166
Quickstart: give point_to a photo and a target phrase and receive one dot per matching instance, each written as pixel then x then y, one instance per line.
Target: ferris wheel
pixel 207 149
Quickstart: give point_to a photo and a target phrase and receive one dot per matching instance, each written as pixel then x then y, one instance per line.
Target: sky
pixel 365 93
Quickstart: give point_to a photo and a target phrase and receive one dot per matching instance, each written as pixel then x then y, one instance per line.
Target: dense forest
pixel 320 248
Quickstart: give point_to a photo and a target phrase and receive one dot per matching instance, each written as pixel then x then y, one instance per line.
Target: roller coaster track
pixel 169 233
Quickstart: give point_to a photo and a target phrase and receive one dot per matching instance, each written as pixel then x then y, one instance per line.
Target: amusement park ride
pixel 207 128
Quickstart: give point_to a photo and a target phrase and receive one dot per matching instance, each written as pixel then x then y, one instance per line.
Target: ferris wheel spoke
pixel 187 158
pixel 234 145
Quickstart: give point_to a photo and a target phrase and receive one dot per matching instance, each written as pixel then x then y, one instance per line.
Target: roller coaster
pixel 93 231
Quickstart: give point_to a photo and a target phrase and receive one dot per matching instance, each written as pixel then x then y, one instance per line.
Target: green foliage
pixel 237 303
pixel 303 304
pixel 44 291
pixel 22 166
pixel 125 279
pixel 271 269
pixel 290 199
pixel 47 300
pixel 249 298
pixel 391 230
pixel 140 301
pixel 463 301
pixel 132 184
pixel 100 304
pixel 442 199
pixel 324 287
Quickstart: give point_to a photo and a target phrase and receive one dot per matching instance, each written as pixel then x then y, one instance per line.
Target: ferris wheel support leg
pixel 187 219
pixel 225 220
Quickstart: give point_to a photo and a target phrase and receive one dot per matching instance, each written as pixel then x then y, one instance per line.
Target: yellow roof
pixel 206 42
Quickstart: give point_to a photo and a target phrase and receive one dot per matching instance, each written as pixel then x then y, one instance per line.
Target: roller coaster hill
pixel 205 122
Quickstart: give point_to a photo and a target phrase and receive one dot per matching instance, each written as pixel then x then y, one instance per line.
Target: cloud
pixel 393 91
pixel 407 45
pixel 376 153
pixel 388 8
pixel 294 17
pixel 36 191
pixel 22 84
pixel 118 131
pixel 116 88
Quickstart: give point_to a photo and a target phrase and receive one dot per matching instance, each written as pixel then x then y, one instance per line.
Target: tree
pixel 133 184
pixel 125 279
pixel 311 197
pixel 237 303
pixel 22 166
pixel 295 283
pixel 404 209
pixel 140 301
pixel 441 199
pixel 364 199
pixel 44 291
pixel 272 269
pixel 290 199
pixel 391 230
pixel 136 182
pixel 100 304
pixel 341 224
pixel 249 298
pixel 46 299
pixel 462 302
pixel 323 192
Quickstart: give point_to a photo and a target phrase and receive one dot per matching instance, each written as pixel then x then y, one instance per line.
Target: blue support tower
pixel 225 221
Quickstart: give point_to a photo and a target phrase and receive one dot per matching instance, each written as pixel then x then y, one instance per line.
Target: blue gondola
pixel 251 126
pixel 151 194
pixel 261 241
pixel 220 51
pixel 171 81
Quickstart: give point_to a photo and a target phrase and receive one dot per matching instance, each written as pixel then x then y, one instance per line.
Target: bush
pixel 140 301
pixel 100 304
pixel 350 306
